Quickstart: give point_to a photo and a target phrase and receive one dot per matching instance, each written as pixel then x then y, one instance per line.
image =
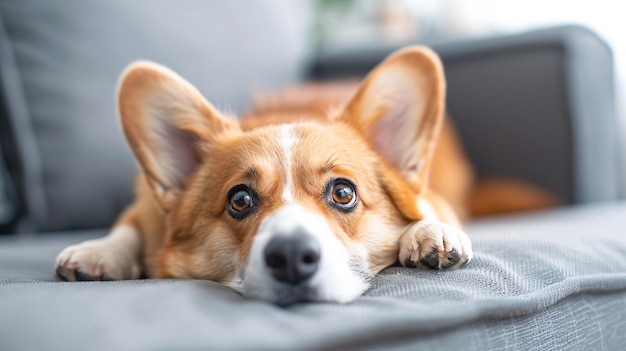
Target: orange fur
pixel 502 195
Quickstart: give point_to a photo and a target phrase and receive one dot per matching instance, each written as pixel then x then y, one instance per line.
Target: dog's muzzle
pixel 296 257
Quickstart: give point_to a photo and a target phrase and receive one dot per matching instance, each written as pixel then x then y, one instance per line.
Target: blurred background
pixel 346 24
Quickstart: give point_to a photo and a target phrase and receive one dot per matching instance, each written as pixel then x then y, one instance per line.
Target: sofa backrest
pixel 540 106
pixel 59 64
pixel 537 106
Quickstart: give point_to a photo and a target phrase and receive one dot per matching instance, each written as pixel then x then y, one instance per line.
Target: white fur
pixel 334 280
pixel 116 256
pixel 427 210
pixel 420 238
pixel 287 141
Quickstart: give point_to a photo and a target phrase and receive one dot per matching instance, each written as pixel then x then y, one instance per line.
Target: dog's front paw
pixel 100 259
pixel 434 245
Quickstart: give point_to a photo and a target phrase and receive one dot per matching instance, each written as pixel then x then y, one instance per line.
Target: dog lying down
pixel 301 202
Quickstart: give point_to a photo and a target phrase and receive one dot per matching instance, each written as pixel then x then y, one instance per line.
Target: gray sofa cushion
pixel 59 65
pixel 548 281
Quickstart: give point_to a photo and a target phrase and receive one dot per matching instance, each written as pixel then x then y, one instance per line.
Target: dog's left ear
pixel 399 108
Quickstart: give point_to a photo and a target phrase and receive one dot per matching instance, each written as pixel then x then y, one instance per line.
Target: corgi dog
pixel 288 204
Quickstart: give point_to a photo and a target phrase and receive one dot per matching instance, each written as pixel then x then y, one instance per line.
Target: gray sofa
pixel 537 106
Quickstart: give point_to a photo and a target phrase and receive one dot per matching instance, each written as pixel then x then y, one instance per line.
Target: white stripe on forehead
pixel 287 140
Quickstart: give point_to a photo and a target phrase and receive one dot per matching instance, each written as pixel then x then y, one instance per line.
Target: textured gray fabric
pixel 60 62
pixel 548 281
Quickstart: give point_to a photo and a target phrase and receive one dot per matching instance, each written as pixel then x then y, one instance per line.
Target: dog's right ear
pixel 399 109
pixel 167 123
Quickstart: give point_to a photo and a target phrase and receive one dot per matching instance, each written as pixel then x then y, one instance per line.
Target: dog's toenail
pixel 431 259
pixel 454 254
pixel 453 258
pixel 80 276
pixel 60 274
pixel 409 263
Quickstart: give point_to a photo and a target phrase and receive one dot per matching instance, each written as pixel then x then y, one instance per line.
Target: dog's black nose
pixel 292 259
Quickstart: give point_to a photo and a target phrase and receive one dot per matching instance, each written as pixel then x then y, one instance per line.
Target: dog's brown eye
pixel 241 201
pixel 342 194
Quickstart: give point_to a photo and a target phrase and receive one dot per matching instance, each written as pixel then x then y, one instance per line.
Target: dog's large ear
pixel 399 108
pixel 166 122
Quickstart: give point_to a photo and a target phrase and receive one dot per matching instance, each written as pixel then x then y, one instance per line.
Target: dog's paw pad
pixel 431 259
pixel 434 245
pixel 96 260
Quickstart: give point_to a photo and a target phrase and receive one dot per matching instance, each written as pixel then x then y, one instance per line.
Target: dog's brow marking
pixel 287 140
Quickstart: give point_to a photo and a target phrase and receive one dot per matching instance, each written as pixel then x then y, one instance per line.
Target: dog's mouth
pixel 282 294
pixel 316 289
pixel 286 294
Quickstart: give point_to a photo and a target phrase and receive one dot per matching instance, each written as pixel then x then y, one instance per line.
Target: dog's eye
pixel 240 201
pixel 342 194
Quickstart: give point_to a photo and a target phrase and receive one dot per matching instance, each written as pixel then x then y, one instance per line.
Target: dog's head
pixel 307 211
